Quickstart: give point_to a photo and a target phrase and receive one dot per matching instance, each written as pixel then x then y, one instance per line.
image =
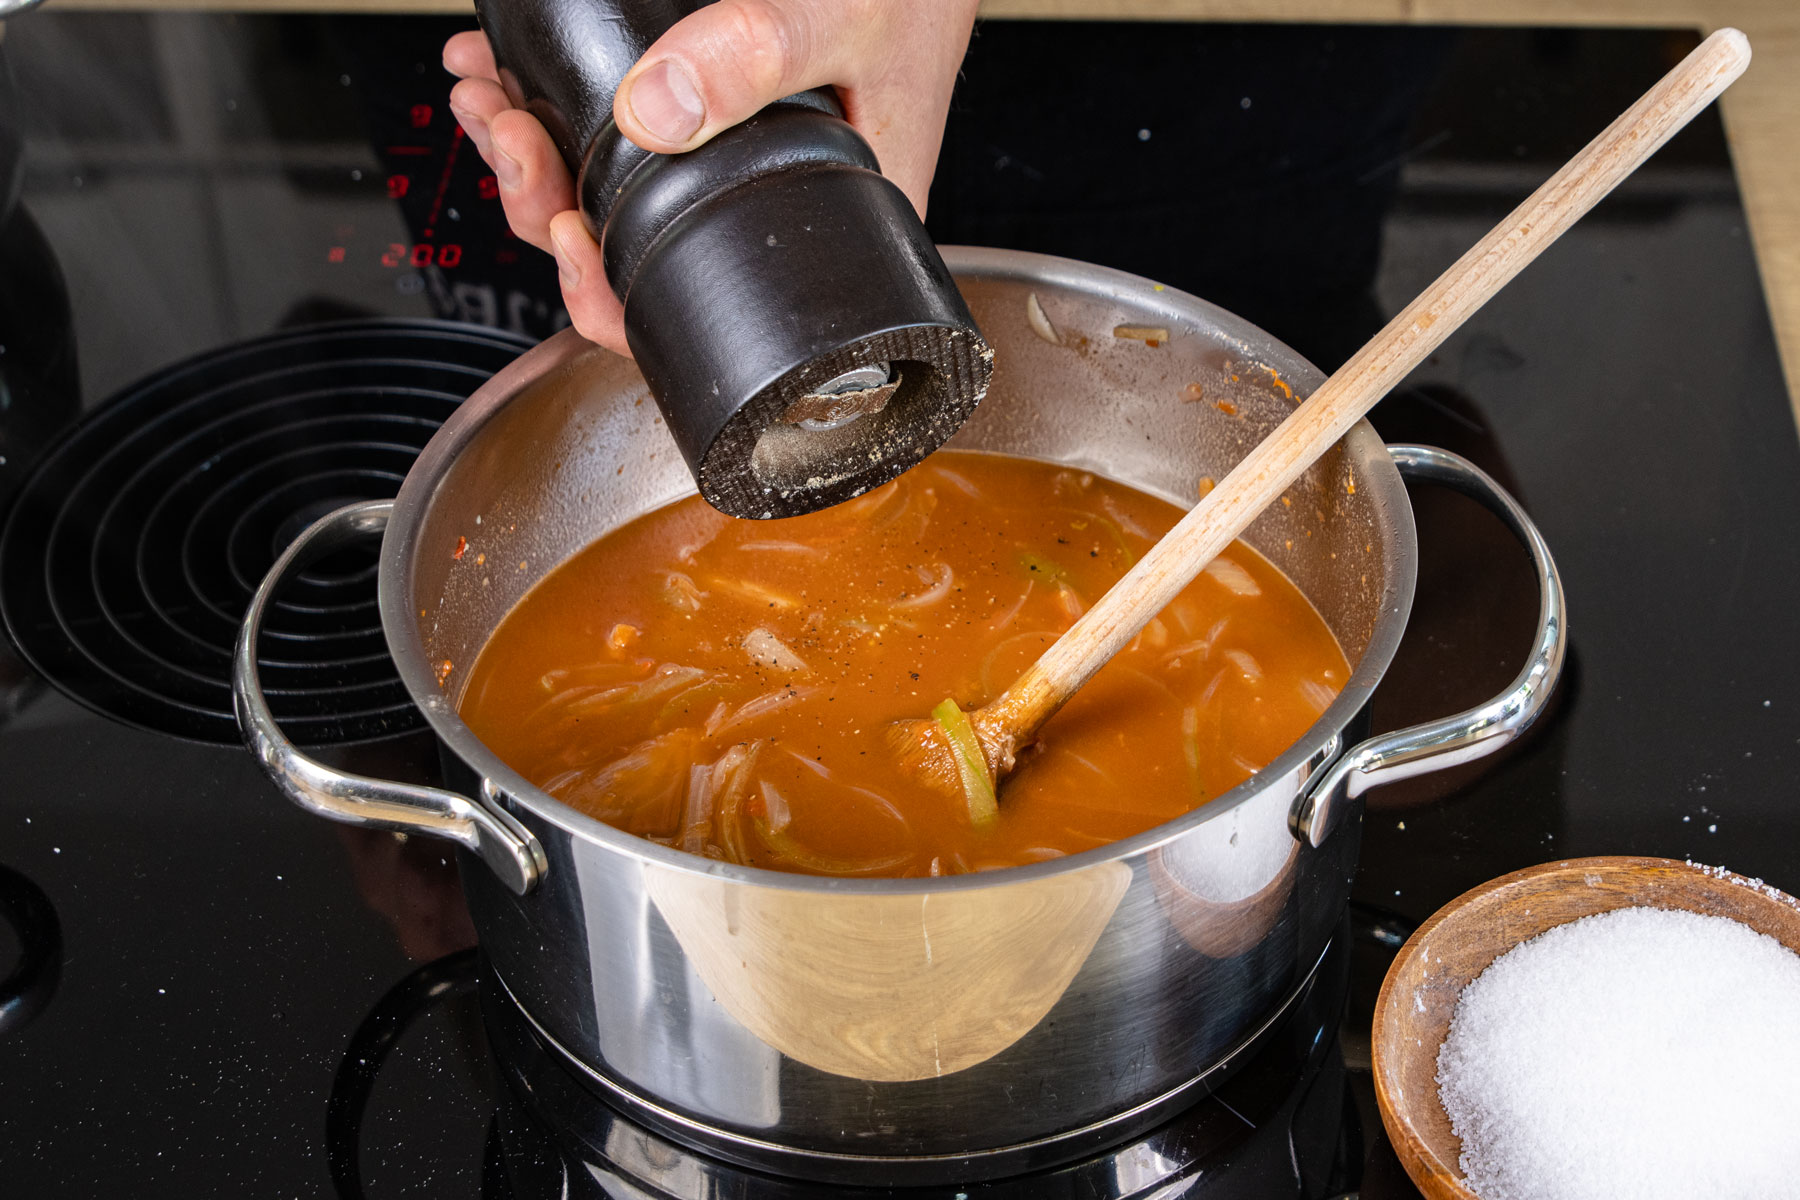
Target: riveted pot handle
pixel 1468 735
pixel 507 847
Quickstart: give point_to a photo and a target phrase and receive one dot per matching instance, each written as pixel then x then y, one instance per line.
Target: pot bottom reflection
pixel 1272 1123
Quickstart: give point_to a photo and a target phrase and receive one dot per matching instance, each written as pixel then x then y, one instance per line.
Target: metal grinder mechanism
pixel 798 329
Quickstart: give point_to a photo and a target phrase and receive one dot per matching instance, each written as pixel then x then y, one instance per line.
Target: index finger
pixel 467 55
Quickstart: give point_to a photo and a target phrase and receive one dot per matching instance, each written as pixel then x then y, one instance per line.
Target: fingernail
pixel 475 127
pixel 666 102
pixel 566 271
pixel 507 168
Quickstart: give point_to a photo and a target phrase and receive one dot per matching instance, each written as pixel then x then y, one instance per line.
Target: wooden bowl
pixel 1412 1014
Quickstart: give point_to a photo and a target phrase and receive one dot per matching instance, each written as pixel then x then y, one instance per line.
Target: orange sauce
pixel 726 687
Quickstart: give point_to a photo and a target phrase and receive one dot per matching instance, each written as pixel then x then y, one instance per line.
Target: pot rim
pixel 1156 301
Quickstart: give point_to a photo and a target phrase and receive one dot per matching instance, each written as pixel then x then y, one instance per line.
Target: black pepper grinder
pixel 797 326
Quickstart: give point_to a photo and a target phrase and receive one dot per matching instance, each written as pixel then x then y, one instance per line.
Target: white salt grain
pixel 1639 1053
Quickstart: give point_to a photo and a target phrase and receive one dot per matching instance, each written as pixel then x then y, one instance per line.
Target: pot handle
pixel 509 849
pixel 1468 735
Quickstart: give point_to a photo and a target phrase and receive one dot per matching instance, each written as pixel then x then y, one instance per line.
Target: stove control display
pixel 452 244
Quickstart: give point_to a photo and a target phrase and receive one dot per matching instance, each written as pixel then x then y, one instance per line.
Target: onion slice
pixel 1190 747
pixel 681 592
pixel 939 578
pixel 753 592
pixel 1319 695
pixel 796 852
pixel 786 547
pixel 769 650
pixel 752 710
pixel 1235 579
pixel 1039 322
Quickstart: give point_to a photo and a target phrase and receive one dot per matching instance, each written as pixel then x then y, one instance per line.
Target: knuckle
pixel 763 44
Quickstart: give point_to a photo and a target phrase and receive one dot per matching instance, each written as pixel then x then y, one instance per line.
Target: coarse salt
pixel 1640 1053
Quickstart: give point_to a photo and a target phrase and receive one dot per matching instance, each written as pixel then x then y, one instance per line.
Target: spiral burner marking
pixel 130 555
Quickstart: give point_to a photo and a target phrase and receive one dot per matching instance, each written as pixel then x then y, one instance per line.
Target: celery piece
pixel 1082 519
pixel 1118 537
pixel 794 851
pixel 971 764
pixel 1038 567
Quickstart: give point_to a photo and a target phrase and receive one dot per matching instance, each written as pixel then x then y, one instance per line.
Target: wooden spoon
pixel 941 750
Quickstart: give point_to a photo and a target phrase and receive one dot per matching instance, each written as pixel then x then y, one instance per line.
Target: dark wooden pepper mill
pixel 798 328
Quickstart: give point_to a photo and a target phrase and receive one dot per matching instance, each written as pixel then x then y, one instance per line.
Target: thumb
pixel 723 63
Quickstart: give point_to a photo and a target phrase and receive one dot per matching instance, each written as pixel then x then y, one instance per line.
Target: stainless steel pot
pixel 970 1025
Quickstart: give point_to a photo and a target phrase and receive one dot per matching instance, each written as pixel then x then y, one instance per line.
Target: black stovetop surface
pixel 201 179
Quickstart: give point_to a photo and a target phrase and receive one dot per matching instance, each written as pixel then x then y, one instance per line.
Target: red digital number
pixel 422 254
pixel 398 185
pixel 488 187
pixel 421 115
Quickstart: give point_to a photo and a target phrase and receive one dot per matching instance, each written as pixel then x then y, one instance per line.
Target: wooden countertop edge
pixel 1761 113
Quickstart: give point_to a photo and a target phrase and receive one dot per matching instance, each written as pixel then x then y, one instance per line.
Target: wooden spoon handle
pixel 1340 401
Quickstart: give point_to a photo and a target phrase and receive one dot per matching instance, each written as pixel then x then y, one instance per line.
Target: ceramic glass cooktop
pixel 187 182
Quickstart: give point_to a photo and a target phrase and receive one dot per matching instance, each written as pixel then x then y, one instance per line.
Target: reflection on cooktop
pixel 1284 1125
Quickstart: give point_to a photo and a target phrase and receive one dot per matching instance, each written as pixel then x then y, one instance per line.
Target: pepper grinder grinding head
pixel 798 329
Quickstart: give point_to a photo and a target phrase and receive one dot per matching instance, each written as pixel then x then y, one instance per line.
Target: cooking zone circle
pixel 132 552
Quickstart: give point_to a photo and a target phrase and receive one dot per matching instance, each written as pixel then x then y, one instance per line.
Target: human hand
pixel 893 63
